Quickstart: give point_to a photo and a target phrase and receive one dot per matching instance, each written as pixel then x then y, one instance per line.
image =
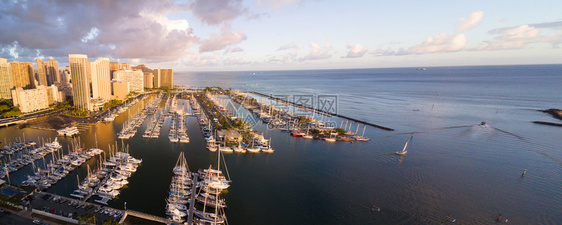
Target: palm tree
pixel 87 219
pixel 110 222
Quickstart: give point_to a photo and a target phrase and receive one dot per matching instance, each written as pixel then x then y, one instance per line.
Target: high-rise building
pixel 101 80
pixel 148 80
pixel 53 94
pixel 124 66
pixel 135 79
pixel 80 73
pixel 65 75
pixel 113 66
pixel 31 99
pixel 120 89
pixel 157 78
pixel 22 74
pixel 53 75
pixel 41 72
pixel 6 82
pixel 163 78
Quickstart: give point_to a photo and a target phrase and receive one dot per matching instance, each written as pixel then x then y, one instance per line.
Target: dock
pixel 95 190
pixel 148 217
pixel 319 110
pixel 192 199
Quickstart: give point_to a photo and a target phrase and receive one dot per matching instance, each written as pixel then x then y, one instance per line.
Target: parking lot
pixel 71 208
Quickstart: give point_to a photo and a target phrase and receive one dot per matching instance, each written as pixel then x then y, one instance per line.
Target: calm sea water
pixel 453 166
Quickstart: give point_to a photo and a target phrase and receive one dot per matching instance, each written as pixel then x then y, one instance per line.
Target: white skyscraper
pixel 79 73
pixel 101 81
pixel 6 82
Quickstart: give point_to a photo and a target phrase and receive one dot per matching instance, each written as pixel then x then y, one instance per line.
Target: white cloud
pixel 511 38
pixel 94 32
pixel 215 12
pixel 276 4
pixel 238 61
pixel 135 29
pixel 234 49
pixel 286 55
pixel 471 21
pixel 12 50
pixel 440 43
pixel 555 40
pixel 170 25
pixel 355 51
pixel 318 52
pixel 388 52
pixel 288 46
pixel 221 40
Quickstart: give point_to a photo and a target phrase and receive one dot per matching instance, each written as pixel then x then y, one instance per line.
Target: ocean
pixel 454 166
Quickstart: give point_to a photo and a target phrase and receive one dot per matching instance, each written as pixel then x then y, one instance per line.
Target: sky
pixel 254 35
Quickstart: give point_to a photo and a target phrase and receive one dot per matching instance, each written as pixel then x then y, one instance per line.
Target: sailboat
pixel 307 136
pixel 404 151
pixel 253 149
pixel 330 139
pixel 362 137
pixel 267 149
pixel 239 148
pixel 179 190
pixel 213 180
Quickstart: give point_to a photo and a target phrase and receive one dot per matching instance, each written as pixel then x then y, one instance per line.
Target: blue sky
pixel 223 35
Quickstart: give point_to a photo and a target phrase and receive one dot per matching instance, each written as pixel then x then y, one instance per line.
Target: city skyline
pixel 284 34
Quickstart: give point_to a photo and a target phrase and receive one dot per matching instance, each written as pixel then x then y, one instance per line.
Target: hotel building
pixel 101 79
pixel 6 83
pixel 80 73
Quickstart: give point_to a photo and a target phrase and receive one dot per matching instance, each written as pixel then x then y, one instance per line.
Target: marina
pixel 280 112
pixel 192 196
pixel 312 169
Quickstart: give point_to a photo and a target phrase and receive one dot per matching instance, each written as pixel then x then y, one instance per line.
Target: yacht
pixel 68 131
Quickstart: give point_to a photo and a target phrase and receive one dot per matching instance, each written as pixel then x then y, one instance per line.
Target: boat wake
pixel 512 134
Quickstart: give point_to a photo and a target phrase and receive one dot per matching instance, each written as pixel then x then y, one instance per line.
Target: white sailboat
pixel 362 137
pixel 404 151
pixel 330 139
pixel 307 136
pixel 267 149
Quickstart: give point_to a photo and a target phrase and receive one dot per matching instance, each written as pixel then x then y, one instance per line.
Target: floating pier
pixel 147 217
pixel 192 199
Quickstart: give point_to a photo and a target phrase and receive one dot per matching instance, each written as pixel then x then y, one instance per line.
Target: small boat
pixel 225 149
pixel 330 139
pixel 296 133
pixel 307 135
pixel 404 151
pixel 239 148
